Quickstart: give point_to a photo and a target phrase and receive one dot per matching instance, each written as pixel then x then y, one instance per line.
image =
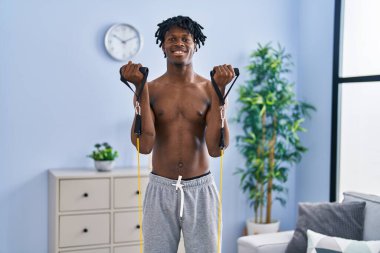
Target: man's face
pixel 178 46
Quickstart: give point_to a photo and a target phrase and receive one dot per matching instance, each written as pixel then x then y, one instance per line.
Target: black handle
pixel 143 70
pixel 85 194
pixel 138 123
pixel 221 141
pixel 236 70
pixel 137 192
pixel 85 230
pixel 138 226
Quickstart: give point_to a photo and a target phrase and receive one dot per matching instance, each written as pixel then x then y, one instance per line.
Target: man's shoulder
pixel 204 84
pixel 155 82
pixel 202 80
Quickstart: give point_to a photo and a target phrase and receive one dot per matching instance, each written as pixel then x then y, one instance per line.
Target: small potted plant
pixel 104 156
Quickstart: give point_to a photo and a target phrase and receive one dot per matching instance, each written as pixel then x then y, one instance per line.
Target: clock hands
pixel 134 37
pixel 117 37
pixel 124 41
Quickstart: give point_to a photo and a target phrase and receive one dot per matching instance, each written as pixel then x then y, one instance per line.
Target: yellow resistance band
pixel 220 200
pixel 140 194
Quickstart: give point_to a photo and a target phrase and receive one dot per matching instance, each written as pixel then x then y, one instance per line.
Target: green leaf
pixel 103 154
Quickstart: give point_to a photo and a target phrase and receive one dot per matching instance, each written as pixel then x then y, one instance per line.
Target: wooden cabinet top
pixel 91 172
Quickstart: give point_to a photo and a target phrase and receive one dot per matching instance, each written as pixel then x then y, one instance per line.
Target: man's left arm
pixel 223 76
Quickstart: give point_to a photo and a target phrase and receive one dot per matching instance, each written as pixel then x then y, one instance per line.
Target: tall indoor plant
pixel 271 118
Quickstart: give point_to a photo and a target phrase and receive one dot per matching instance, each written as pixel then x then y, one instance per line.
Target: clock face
pixel 122 42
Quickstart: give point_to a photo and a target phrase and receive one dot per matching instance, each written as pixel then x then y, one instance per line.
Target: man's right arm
pixel 132 74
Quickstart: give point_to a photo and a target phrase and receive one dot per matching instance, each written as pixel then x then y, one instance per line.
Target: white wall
pixel 60 93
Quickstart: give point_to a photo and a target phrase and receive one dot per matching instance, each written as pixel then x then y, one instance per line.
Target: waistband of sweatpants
pixel 197 182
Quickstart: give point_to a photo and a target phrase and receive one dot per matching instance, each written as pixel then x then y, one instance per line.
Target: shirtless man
pixel 181 123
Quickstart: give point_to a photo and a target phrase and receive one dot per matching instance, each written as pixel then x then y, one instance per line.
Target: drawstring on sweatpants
pixel 179 186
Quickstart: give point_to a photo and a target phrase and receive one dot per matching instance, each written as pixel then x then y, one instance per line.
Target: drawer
pixel 86 229
pixel 84 194
pixel 126 191
pixel 127 249
pixel 126 227
pixel 102 250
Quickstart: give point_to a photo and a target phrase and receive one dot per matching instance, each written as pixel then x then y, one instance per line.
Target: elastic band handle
pixel 138 123
pixel 138 120
pixel 216 88
pixel 144 71
pixel 221 140
pixel 236 70
pixel 222 101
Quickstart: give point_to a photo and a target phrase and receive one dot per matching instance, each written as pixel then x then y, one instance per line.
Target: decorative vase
pixel 104 165
pixel 262 228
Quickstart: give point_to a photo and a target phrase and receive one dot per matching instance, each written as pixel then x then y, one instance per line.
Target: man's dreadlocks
pixel 186 23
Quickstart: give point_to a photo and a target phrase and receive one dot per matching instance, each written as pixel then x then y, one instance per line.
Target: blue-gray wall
pixel 315 55
pixel 60 93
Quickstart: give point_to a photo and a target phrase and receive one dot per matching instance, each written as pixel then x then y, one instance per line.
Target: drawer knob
pixel 137 192
pixel 138 226
pixel 85 230
pixel 85 194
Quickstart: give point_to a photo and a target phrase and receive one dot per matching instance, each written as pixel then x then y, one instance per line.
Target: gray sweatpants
pixel 162 223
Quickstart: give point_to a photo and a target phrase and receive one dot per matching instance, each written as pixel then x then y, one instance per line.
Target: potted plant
pixel 104 156
pixel 271 118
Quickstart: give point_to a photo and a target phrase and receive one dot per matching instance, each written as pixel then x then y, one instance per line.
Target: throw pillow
pixel 372 213
pixel 319 243
pixel 333 219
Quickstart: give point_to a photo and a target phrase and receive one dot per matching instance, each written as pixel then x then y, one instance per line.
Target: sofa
pixel 278 242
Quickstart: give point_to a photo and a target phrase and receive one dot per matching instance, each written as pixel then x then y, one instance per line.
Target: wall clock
pixel 122 41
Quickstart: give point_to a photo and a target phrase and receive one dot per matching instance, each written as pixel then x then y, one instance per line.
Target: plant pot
pixel 104 165
pixel 262 228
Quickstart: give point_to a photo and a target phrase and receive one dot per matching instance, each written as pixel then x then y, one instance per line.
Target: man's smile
pixel 178 52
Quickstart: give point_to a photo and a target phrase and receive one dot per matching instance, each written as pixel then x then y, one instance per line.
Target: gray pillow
pixel 371 213
pixel 343 220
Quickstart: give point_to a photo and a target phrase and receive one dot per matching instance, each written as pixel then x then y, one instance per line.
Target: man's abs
pixel 176 155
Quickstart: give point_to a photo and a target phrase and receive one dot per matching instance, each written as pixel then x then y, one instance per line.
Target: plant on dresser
pixel 104 156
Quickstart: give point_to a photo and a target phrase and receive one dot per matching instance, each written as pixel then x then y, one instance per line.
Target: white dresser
pixel 95 212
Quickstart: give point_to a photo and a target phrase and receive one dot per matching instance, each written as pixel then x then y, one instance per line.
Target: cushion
pixel 371 213
pixel 333 219
pixel 319 243
pixel 264 243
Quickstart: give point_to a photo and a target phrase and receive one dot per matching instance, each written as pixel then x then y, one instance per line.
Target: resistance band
pixel 138 131
pixel 222 101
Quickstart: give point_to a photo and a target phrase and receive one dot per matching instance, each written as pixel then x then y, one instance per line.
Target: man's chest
pixel 187 104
